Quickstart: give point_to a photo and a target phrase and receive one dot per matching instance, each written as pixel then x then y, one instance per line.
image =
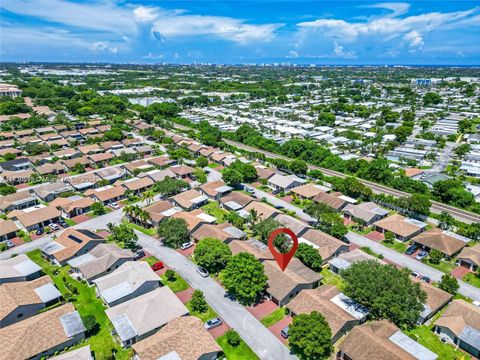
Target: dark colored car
pixel 411 249
pixel 39 231
pixel 157 266
pixel 426 279
pixel 140 254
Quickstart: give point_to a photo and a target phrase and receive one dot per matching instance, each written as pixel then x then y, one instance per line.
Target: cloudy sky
pixel 248 31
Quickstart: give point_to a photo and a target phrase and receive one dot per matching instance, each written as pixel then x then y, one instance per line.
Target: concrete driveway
pixel 259 338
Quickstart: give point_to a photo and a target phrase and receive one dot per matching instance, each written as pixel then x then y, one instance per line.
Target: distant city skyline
pixel 242 32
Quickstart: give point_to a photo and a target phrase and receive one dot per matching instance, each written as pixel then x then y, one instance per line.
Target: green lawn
pixel 213 165
pixel 397 246
pixel 151 260
pixel 240 352
pixel 70 222
pixel 150 232
pixel 273 318
pixel 86 303
pixel 213 209
pixel 424 335
pixel 207 315
pixel 332 279
pixel 444 266
pixel 178 285
pixel 472 279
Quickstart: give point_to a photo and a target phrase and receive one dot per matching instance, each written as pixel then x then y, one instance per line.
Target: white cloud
pixel 153 56
pixel 414 38
pixel 396 8
pixel 145 14
pixel 103 46
pixel 292 54
pixel 339 52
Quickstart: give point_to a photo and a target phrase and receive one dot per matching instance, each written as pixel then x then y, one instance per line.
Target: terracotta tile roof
pixel 49 168
pixel 280 283
pixel 264 211
pixel 160 161
pixel 106 194
pixel 100 157
pixel 72 241
pixel 15 294
pixel 70 163
pixel 139 164
pixel 459 314
pixel 138 184
pixel 26 339
pixel 191 218
pixel 185 199
pixel 471 253
pixel 38 216
pixel 333 200
pixel 82 203
pixel 398 225
pixel 8 200
pixel 7 227
pixel 182 170
pixel 307 191
pixel 326 244
pixel 439 240
pixel 377 335
pixel 157 210
pixel 237 197
pixel 222 232
pixel 184 335
pixel 210 188
pixel 89 149
pixel 410 172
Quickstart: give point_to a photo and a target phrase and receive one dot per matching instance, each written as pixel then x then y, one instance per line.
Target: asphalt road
pixel 257 336
pixel 465 289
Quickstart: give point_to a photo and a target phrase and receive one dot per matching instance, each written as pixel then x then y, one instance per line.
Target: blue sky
pixel 248 31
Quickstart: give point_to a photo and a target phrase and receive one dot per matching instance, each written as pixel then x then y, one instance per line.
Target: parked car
pixel 213 323
pixel 476 303
pixel 421 255
pixel 39 231
pixel 114 205
pixel 157 266
pixel 54 226
pixel 140 254
pixel 414 274
pixel 186 246
pixel 411 249
pixel 9 243
pixel 63 223
pixel 284 332
pixel 249 190
pixel 426 279
pixel 279 207
pixel 202 271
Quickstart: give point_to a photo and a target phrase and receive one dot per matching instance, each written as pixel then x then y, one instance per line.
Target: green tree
pixel 233 338
pixel 310 337
pixel 387 291
pixel 449 284
pixel 90 324
pixel 6 189
pixel 212 254
pixel 389 237
pixel 244 277
pixel 232 177
pixel 201 161
pixel 435 256
pixel 124 235
pixel 198 302
pixel 200 176
pixel 170 187
pixel 298 166
pixel 265 227
pixel 309 256
pixel 173 232
pixel 98 208
pixel 432 98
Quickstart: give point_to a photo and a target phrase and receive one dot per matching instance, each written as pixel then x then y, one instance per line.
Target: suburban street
pixel 412 264
pixel 257 336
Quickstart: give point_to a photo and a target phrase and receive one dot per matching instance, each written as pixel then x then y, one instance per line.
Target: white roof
pixel 412 347
pixel 350 306
pixel 47 292
pixel 17 266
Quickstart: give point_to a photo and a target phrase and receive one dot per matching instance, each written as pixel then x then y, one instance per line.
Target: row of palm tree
pixel 137 215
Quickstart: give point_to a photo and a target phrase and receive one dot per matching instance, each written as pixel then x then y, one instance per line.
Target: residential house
pixel 341 312
pixel 194 219
pixel 82 353
pixel 71 163
pixel 100 159
pixel 436 300
pixel 183 171
pixel 365 213
pixel 183 337
pixel 35 217
pixel 99 261
pixel 84 182
pixel 70 244
pixel 74 206
pixel 17 201
pixel 403 228
pixel 48 192
pixel 137 185
pixel 160 210
pixel 344 261
pixel 460 325
pixel 223 232
pixel 8 230
pixel 17 177
pixel 469 257
pixel 235 200
pixel 284 182
pixel 130 280
pixel 50 169
pixel 297 226
pixel 107 194
pixel 42 335
pixel 111 174
pixel 161 161
pixel 448 243
pixel 381 339
pixel 334 200
pixel 18 268
pixel 133 142
pixel 158 175
pixel 264 211
pixel 264 173
pixel 18 164
pixel 189 200
pixel 327 245
pixel 215 189
pixel 143 315
pixel 138 166
pixel 90 149
pixel 309 191
pixel 21 300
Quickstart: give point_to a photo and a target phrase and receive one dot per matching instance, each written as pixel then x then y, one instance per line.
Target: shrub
pixel 233 338
pixel 171 275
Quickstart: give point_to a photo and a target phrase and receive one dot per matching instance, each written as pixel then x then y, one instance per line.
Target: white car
pixel 186 246
pixel 476 303
pixel 54 226
pixel 202 271
pixel 114 205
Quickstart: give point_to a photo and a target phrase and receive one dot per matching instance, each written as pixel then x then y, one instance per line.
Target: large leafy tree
pixel 449 284
pixel 124 235
pixel 309 256
pixel 173 232
pixel 232 177
pixel 212 254
pixel 169 187
pixel 310 336
pixel 244 277
pixel 387 291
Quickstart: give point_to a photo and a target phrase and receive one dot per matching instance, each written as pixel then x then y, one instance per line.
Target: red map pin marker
pixel 282 259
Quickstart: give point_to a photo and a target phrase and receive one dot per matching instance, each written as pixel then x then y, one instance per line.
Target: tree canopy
pixel 212 254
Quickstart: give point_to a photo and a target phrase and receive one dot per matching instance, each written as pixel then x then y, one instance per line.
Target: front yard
pixel 444 266
pixel 273 318
pixel 330 278
pixel 205 316
pixel 472 279
pixel 213 209
pixel 396 245
pixel 85 301
pixel 240 352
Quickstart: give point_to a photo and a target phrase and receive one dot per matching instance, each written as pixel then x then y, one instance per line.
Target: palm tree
pixel 137 210
pixel 128 210
pixel 252 217
pixel 145 218
pixel 148 197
